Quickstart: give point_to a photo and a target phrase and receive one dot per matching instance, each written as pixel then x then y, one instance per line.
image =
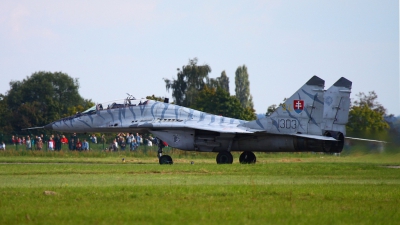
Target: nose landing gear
pixel 163 159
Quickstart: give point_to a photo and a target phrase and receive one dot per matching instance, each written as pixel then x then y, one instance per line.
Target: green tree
pixel 242 88
pixel 370 101
pixel 271 109
pixel 217 101
pixel 367 115
pixel 190 80
pixel 364 119
pixel 222 81
pixel 5 115
pixel 42 98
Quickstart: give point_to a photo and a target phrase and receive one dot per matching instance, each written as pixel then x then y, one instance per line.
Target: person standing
pixel 129 140
pixel 85 145
pixel 78 145
pixel 75 138
pixel 33 140
pixel 39 144
pixel 64 140
pixel 149 142
pixel 115 145
pixel 51 144
pixel 138 139
pixel 93 138
pixel 122 143
pixel 57 142
pixel 28 143
pixel 71 144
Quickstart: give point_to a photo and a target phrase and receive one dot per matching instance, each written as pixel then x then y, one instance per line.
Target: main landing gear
pixel 247 157
pixel 226 157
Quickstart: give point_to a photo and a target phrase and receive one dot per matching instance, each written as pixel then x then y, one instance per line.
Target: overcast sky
pixel 118 47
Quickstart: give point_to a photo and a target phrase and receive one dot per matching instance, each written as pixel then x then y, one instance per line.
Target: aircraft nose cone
pixel 49 126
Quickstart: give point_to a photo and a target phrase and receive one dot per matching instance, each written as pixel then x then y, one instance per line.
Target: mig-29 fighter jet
pixel 312 119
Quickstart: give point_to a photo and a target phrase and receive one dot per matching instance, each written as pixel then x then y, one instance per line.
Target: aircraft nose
pixel 49 126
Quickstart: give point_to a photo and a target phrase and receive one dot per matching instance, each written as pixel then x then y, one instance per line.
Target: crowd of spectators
pixel 122 141
pixel 130 141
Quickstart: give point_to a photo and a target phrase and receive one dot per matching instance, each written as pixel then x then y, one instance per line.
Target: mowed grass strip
pixel 204 204
pixel 79 174
pixel 286 192
pixel 184 157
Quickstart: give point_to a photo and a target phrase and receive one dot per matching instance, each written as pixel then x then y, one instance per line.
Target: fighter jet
pixel 312 119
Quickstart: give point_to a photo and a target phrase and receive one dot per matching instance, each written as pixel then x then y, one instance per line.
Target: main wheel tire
pixel 247 157
pixel 224 157
pixel 165 159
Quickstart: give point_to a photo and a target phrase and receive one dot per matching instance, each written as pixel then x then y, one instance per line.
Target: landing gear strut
pixel 247 157
pixel 163 159
pixel 224 157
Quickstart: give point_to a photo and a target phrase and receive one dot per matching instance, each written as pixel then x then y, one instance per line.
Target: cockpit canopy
pixel 121 103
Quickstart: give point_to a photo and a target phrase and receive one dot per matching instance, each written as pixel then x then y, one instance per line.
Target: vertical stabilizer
pixel 337 106
pixel 301 113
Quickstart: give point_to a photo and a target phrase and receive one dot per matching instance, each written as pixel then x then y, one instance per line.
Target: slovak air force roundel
pixel 298 106
pixel 176 138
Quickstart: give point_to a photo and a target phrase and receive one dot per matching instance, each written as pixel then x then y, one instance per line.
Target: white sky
pixel 118 47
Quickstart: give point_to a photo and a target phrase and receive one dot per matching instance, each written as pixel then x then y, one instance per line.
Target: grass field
pixel 97 188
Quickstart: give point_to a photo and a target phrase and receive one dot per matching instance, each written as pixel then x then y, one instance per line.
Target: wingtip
pixel 32 128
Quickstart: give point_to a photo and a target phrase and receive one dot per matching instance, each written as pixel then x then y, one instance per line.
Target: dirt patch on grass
pixel 291 160
pixel 50 193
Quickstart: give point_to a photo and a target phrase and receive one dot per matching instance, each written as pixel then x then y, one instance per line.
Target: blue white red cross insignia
pixel 298 105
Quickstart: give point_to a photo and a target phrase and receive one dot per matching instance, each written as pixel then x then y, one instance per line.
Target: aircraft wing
pixel 208 127
pixel 243 130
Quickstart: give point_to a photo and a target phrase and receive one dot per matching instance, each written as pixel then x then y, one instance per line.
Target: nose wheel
pixel 165 159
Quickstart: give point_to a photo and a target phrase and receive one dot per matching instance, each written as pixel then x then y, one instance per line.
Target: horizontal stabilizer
pixel 362 139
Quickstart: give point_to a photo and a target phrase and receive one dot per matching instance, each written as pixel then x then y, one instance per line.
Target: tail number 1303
pixel 288 123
